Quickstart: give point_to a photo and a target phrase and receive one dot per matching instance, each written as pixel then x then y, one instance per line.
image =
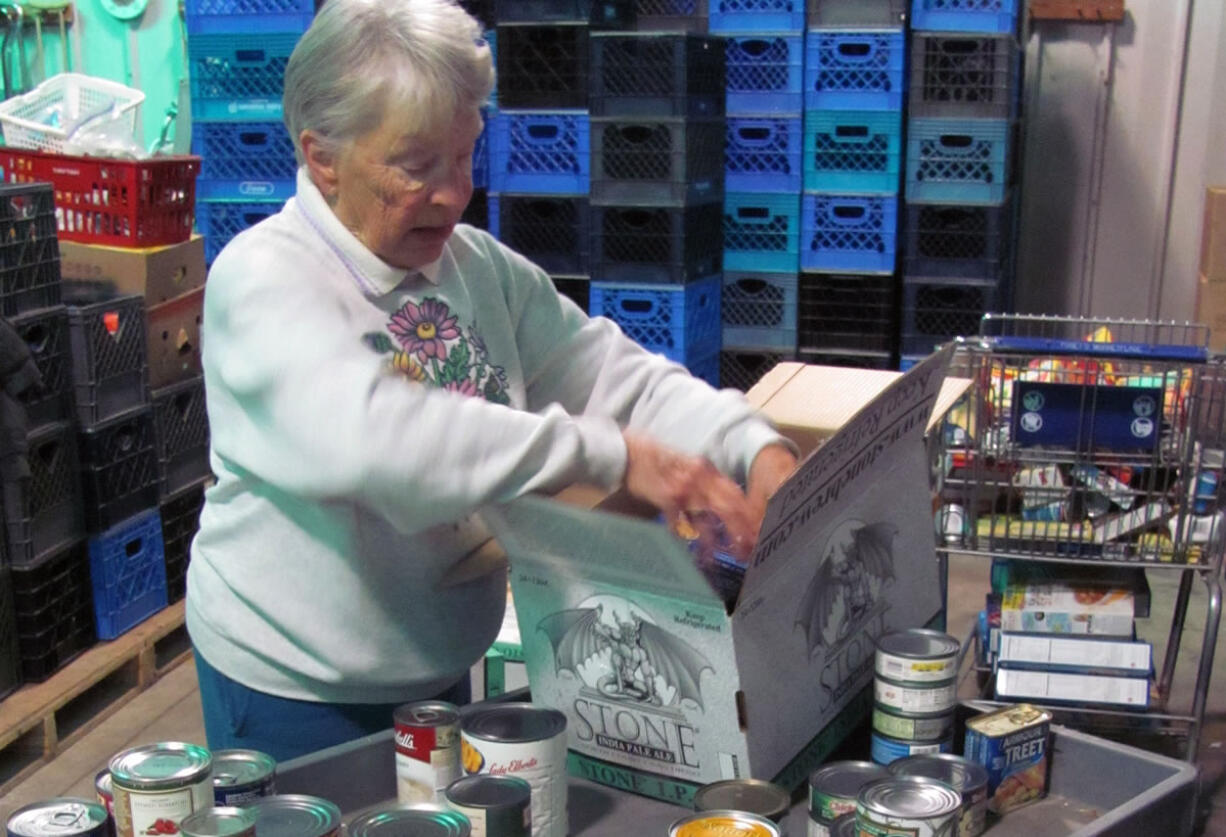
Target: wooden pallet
pixel 41 719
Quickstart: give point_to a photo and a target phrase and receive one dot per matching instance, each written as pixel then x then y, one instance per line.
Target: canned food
pixel 427 749
pixel 834 788
pixel 916 699
pixel 410 821
pixel 951 524
pixel 156 785
pixel 907 804
pixel 222 821
pixel 910 727
pixel 753 796
pixel 242 776
pixel 526 741
pixel 917 655
pixel 106 798
pixel 63 817
pixel 720 823
pixel 496 806
pixel 1011 744
pixel 966 777
pixel 845 826
pixel 887 750
pixel 296 815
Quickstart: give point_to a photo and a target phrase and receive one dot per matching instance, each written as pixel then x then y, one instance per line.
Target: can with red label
pixel 427 737
pixel 102 790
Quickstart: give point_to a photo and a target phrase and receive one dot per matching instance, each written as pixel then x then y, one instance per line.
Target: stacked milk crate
pixel 237 52
pixel 657 182
pixel 854 86
pixel 959 216
pixel 764 42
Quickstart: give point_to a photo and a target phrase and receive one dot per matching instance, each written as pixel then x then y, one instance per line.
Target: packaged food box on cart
pixel 1067 608
pixel 664 688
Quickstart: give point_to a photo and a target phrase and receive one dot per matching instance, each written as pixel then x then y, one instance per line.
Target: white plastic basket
pixel 44 118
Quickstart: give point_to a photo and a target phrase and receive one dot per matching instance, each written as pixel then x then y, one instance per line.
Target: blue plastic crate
pixel 962 161
pixel 762 154
pixel 207 17
pixel 481 153
pixel 706 369
pixel 761 231
pixel 680 322
pixel 756 15
pixel 127 567
pixel 854 70
pixel 759 310
pixel 541 152
pixel 848 233
pixel 964 15
pixel 246 161
pixel 220 221
pixel 853 151
pixel 765 74
pixel 238 77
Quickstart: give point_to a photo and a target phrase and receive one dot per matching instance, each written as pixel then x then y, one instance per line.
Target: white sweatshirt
pixel 357 413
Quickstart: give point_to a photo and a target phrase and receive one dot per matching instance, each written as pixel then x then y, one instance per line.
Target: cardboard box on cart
pixel 664 690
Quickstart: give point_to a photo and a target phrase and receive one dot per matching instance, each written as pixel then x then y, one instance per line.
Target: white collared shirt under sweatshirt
pixel 357 413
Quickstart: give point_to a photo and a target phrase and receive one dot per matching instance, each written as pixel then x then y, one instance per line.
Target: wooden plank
pixel 1094 11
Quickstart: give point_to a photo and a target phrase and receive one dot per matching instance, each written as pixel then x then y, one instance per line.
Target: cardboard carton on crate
pixel 159 273
pixel 770 687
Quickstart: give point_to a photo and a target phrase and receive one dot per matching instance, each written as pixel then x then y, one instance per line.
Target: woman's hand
pixel 770 469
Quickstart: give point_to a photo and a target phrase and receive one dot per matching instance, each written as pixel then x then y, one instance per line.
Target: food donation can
pixel 909 726
pixel 296 815
pixel 1011 744
pixel 156 785
pixel 496 806
pixel 966 777
pixel 427 737
pixel 242 776
pixel 917 655
pixel 915 698
pixel 845 826
pixel 886 750
pixel 106 798
pixel 833 790
pixel 526 741
pixel 720 823
pixel 909 805
pixel 61 817
pixel 754 796
pixel 425 820
pixel 222 821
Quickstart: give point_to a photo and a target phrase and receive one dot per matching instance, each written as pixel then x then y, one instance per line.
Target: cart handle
pixel 1057 346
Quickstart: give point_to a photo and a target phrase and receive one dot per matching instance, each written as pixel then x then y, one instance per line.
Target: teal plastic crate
pixel 958 161
pixel 238 77
pixel 853 151
pixel 761 231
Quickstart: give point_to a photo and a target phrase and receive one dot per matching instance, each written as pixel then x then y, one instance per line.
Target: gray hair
pixel 361 57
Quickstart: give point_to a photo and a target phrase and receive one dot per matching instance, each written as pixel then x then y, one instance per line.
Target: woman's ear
pixel 321 162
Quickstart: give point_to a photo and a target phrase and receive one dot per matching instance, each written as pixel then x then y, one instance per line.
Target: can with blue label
pixel 886 750
pixel 242 776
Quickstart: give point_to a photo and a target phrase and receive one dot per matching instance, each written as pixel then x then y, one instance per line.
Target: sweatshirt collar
pixel 370 272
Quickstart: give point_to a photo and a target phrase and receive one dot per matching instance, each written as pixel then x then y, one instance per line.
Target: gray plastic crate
pixel 855 14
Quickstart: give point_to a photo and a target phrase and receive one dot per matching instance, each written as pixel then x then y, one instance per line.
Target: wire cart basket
pixel 1092 442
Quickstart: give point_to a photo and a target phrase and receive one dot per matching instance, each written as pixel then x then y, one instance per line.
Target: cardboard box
pixel 1213 235
pixel 666 690
pixel 160 273
pixel 1211 310
pixel 1080 654
pixel 1067 608
pixel 173 338
pixel 1059 687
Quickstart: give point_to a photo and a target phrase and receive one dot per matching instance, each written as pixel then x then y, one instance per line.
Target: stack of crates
pixel 960 211
pixel 237 53
pixel 657 104
pixel 855 59
pixel 764 41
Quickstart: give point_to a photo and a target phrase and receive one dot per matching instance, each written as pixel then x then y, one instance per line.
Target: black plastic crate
pixel 43 511
pixel 29 249
pixel 477 213
pixel 657 74
pixel 657 244
pixel 119 468
pixel 181 434
pixel 849 359
pixel 671 15
pixel 958 240
pixel 180 522
pixel 45 332
pixel 599 14
pixel 109 354
pixel 964 75
pixel 840 312
pixel 61 625
pixel 741 369
pixel 543 66
pixel 936 310
pixel 657 162
pixel 10 649
pixel 554 231
pixel 482 10
pixel 578 289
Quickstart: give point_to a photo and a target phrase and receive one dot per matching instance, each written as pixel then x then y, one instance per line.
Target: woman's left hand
pixel 770 469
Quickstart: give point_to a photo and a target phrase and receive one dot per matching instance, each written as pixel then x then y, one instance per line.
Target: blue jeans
pixel 236 717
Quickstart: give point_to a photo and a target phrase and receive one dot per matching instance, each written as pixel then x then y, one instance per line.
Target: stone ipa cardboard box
pixel 662 688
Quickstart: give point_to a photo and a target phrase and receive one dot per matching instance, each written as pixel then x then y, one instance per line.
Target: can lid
pixel 1014 718
pixel 483 790
pixel 918 642
pixel 295 815
pixel 102 782
pixel 168 764
pixel 752 795
pixel 62 816
pixel 513 722
pixel 962 775
pixel 241 767
pixel 418 820
pixel 845 778
pixel 427 713
pixel 844 826
pixel 908 796
pixel 218 822
pixel 719 823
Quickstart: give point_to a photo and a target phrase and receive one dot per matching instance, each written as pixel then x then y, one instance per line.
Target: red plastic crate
pixel 124 203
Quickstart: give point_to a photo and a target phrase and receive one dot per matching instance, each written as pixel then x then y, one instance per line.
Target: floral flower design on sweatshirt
pixel 427 345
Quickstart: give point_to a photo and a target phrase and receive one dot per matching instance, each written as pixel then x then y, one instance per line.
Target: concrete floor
pixel 170 709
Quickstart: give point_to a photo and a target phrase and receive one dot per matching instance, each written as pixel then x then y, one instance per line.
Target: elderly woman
pixel 376 372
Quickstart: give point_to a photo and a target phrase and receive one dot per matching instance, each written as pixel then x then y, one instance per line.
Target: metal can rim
pixel 770 829
pixel 194 824
pixel 522 791
pixel 328 814
pixel 264 764
pixel 777 798
pixel 198 764
pixel 444 714
pixel 889 644
pixel 869 798
pixel 97 812
pixel 550 722
pixel 965 776
pixel 371 823
pixel 841 769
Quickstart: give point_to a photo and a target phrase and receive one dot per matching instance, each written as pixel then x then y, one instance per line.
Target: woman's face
pixel 400 192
